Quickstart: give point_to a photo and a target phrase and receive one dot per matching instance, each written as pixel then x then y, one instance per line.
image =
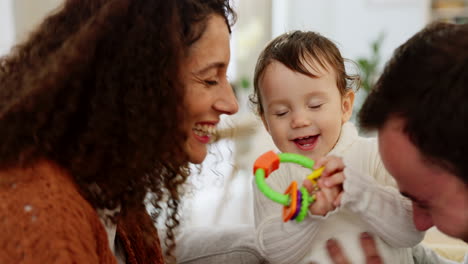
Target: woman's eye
pixel 211 82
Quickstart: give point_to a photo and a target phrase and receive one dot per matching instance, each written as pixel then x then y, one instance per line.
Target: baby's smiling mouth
pixel 307 141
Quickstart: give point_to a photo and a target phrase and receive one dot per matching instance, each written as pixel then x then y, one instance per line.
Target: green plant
pixel 369 65
pixel 244 83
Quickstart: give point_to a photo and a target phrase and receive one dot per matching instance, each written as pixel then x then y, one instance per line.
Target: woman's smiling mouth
pixel 204 132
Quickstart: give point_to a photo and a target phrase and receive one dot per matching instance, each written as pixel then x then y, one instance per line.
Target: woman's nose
pixel 227 101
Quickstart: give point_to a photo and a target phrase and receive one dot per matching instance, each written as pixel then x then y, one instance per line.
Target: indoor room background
pixel 366 32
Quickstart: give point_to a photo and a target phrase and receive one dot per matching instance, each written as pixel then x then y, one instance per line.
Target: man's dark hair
pixel 426 84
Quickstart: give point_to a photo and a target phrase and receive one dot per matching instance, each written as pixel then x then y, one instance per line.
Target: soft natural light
pixel 219 193
pixel 6 26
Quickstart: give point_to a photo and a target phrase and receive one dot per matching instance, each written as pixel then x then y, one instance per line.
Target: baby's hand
pixel 325 199
pixel 330 183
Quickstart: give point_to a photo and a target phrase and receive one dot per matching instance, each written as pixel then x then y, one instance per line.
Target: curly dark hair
pixel 297 50
pixel 95 89
pixel 426 84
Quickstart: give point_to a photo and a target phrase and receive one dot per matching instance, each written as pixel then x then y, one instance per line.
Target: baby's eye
pixel 317 106
pixel 282 113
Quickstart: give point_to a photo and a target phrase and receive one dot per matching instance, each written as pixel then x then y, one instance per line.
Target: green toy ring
pixel 295 202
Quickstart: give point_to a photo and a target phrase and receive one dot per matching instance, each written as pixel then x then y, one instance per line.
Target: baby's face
pixel 303 114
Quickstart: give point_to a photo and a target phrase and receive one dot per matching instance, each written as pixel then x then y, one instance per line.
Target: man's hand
pixel 368 246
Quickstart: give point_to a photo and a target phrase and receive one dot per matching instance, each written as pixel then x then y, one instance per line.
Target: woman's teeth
pixel 204 130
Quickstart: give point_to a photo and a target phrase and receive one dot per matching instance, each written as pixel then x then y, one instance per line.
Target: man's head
pixel 420 107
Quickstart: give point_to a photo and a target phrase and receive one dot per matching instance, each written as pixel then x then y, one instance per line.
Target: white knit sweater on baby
pixel 370 203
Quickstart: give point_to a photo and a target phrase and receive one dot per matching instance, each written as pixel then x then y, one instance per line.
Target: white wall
pixel 354 24
pixel 398 21
pixel 19 17
pixel 6 26
pixel 28 14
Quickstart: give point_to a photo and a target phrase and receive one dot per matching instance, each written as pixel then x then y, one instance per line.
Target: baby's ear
pixel 265 124
pixel 347 104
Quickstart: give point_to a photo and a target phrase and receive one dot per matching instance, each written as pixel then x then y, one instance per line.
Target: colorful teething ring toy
pixel 295 202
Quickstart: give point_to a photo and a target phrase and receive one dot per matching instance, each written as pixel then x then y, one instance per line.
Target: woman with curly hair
pixel 101 110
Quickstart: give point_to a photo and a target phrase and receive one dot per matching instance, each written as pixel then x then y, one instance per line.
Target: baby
pixel 304 98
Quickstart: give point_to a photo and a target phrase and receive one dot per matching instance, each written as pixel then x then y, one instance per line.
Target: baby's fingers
pixel 308 185
pixel 336 179
pixel 321 206
pixel 330 193
pixel 332 164
pixel 321 162
pixel 337 201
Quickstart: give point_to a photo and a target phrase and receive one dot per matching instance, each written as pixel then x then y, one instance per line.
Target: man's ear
pixel 347 104
pixel 265 124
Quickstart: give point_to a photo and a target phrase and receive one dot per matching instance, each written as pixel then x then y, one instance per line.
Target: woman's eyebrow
pixel 209 67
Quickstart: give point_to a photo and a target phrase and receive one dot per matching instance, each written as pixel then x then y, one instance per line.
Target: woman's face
pixel 208 92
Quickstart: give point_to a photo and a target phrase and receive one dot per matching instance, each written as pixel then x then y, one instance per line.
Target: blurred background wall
pixel 366 31
pixel 28 13
pixel 7 30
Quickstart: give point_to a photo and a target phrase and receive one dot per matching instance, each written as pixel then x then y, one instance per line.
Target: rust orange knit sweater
pixel 44 219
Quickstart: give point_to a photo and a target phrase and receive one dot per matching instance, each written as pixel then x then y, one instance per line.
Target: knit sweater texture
pixel 45 219
pixel 370 203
